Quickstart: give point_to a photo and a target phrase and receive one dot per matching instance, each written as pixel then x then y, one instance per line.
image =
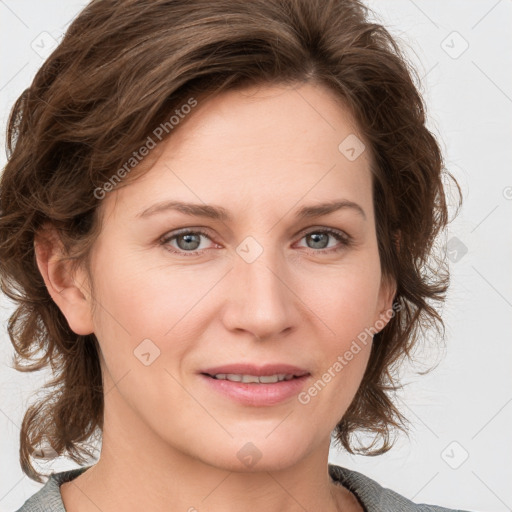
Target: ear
pixel 385 310
pixel 73 301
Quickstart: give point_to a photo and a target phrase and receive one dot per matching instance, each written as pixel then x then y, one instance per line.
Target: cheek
pixel 147 319
pixel 130 310
pixel 344 358
pixel 347 302
pixel 138 301
pixel 347 307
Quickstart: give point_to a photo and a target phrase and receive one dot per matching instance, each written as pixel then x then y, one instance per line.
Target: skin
pixel 169 441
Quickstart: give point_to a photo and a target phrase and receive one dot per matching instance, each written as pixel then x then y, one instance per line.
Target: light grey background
pixel 459 451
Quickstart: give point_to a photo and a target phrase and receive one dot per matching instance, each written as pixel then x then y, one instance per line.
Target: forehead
pixel 264 147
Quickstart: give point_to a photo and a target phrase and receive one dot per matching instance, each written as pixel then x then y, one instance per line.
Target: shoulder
pixel 376 498
pixel 48 498
pixel 372 495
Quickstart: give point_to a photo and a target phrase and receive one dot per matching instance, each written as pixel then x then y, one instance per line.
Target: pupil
pixel 187 238
pixel 316 236
pixel 320 240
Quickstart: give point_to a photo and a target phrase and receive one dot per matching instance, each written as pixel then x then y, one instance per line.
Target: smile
pixel 256 391
pixel 267 379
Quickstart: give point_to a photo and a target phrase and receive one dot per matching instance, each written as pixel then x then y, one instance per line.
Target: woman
pixel 220 216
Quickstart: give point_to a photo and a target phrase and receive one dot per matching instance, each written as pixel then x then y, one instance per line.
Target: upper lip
pixel 258 371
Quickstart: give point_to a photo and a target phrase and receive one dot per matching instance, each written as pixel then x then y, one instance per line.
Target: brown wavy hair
pixel 121 69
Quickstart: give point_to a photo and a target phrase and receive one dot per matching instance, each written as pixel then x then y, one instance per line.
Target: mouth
pixel 237 372
pixel 254 379
pixel 256 386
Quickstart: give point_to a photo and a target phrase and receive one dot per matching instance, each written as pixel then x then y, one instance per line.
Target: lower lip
pixel 258 395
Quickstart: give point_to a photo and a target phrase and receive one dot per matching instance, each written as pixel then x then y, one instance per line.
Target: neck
pixel 139 470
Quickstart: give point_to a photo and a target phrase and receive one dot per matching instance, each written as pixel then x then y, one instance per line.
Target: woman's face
pixel 178 294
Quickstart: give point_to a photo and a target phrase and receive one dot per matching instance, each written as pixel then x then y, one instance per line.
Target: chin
pixel 258 453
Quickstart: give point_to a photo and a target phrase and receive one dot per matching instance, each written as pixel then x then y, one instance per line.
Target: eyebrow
pixel 221 214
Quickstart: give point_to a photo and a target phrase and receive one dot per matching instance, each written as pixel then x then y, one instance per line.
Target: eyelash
pixel 346 240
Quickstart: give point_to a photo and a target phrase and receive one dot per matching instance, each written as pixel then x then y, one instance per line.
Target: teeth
pixel 267 379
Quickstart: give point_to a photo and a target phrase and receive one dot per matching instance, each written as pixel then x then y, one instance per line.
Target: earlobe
pixel 386 296
pixel 74 303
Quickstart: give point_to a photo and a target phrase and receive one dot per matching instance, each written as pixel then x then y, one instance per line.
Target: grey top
pixel 372 496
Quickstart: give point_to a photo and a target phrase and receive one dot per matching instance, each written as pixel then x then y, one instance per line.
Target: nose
pixel 259 297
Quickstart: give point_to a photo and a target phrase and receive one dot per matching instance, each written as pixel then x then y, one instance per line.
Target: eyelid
pixel 164 239
pixel 343 238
